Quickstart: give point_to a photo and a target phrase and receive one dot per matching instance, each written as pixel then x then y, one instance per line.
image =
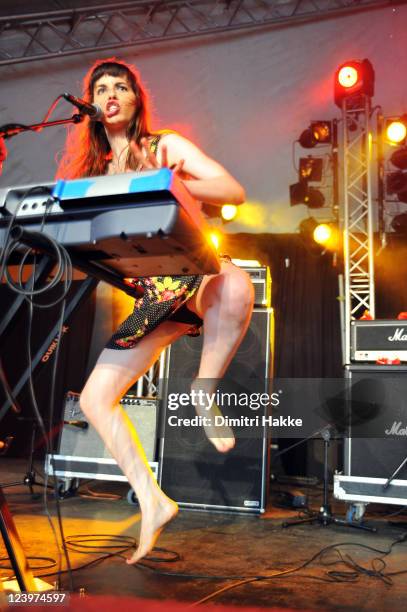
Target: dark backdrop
pixel 70 372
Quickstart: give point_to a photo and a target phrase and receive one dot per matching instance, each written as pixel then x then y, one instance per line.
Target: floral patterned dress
pixel 163 296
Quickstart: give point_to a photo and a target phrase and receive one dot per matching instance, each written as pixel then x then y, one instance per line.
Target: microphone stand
pixel 29 478
pixel 9 130
pixel 395 473
pixel 325 515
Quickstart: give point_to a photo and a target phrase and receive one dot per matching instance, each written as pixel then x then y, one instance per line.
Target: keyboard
pixel 136 224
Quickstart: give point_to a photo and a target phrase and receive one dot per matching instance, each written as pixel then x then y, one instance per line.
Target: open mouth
pixel 112 108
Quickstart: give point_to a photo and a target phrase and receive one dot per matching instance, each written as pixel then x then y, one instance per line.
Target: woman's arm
pixel 206 179
pixel 210 182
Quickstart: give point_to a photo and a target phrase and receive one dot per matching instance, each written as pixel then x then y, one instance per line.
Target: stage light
pixel 396 182
pixel 315 198
pixel 318 132
pixel 307 228
pixel 322 233
pixel 302 193
pixel 311 168
pixel 352 79
pixel 298 193
pixel 319 237
pixel 399 158
pixel 348 76
pixel 396 130
pixel 228 212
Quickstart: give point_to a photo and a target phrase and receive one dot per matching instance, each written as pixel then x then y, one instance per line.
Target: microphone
pixel 80 424
pixel 86 108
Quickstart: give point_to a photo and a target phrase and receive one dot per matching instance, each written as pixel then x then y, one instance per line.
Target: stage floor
pixel 207 545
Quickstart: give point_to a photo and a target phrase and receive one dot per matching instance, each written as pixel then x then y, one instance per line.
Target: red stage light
pixel 353 78
pixel 348 76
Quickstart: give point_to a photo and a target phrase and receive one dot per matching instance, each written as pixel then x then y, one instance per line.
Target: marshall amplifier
pixel 372 340
pixel 376 446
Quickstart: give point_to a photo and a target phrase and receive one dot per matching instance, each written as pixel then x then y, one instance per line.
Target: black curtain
pixel 391 277
pixel 305 294
pixel 307 341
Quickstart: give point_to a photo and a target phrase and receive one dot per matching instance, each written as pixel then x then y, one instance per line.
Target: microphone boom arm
pixel 13 129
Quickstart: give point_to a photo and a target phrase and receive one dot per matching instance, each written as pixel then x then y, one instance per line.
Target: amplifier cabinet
pixel 370 461
pixel 371 340
pixel 261 280
pixel 81 451
pixel 192 471
pixel 96 468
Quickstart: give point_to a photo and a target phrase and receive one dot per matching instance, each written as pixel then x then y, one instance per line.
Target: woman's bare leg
pixel 225 302
pixel 114 373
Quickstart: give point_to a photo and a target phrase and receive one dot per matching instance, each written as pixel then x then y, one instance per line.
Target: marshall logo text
pixel 398 336
pixel 396 430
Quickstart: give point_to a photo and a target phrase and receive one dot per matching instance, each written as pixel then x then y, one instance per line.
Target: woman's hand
pixel 147 160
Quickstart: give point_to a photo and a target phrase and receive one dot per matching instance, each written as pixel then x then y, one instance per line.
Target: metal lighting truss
pixel 148 385
pixel 87 26
pixel 358 212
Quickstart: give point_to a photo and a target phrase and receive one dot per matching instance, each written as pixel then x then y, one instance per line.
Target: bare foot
pixel 154 517
pixel 220 434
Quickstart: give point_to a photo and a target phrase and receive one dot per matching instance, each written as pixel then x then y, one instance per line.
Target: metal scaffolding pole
pixel 358 212
pixel 148 385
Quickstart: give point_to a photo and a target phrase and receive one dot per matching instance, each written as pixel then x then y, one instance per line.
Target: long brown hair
pixel 87 150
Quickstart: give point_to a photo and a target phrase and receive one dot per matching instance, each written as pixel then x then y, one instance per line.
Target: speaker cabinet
pixel 376 445
pixel 191 470
pixel 81 451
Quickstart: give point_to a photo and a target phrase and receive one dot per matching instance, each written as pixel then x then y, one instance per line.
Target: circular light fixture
pixel 353 78
pixel 396 132
pixel 322 233
pixel 307 140
pixel 319 132
pixel 348 76
pixel 229 212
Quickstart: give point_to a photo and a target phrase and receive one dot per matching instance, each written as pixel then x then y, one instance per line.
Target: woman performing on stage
pixel 122 141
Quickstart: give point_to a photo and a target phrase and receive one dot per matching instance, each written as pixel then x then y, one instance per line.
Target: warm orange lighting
pixel 348 76
pixel 215 239
pixel 322 233
pixel 229 212
pixel 396 132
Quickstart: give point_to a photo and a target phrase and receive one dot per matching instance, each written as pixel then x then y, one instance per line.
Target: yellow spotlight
pixel 215 239
pixel 396 132
pixel 322 233
pixel 229 212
